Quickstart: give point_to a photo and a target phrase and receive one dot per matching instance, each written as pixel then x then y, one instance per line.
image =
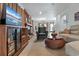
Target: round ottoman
pixel 57 43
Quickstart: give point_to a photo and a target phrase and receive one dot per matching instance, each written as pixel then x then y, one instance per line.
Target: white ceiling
pixel 49 10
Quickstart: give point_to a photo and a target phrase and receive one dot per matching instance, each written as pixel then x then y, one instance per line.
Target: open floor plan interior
pixel 39 29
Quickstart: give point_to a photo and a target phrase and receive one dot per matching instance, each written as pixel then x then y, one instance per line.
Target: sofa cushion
pixel 75 32
pixel 70 37
pixel 72 48
pixel 74 44
pixel 74 27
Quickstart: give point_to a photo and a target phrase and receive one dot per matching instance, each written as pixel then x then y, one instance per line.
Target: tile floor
pixel 37 48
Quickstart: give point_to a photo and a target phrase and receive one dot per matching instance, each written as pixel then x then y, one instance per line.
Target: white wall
pixel 73 9
pixel 60 24
pixel 69 12
pixel 35 24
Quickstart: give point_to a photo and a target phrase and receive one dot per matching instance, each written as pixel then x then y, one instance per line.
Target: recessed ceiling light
pixel 40 12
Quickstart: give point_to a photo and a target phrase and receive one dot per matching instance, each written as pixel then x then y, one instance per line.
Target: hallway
pixel 38 49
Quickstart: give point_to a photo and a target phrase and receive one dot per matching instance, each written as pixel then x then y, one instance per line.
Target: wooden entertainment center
pixel 13 36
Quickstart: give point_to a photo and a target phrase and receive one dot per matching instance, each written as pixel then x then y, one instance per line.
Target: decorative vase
pixel 54 36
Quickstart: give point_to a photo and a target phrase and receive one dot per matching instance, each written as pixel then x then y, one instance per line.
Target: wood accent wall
pixel 24 30
pixel 3 40
pixel 1 7
pixel 15 6
pixel 24 36
pixel 3 29
pixel 19 9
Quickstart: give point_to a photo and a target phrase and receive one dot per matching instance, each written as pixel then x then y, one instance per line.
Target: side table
pixel 57 43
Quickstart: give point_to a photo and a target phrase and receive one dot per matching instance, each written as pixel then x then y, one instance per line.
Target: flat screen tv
pixel 12 17
pixel 12 12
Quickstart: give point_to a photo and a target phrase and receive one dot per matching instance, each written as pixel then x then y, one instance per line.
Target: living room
pixel 38 29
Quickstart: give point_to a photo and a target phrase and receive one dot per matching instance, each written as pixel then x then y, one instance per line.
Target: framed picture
pixel 76 16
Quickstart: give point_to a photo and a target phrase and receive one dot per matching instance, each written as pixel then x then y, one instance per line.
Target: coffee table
pixel 57 43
